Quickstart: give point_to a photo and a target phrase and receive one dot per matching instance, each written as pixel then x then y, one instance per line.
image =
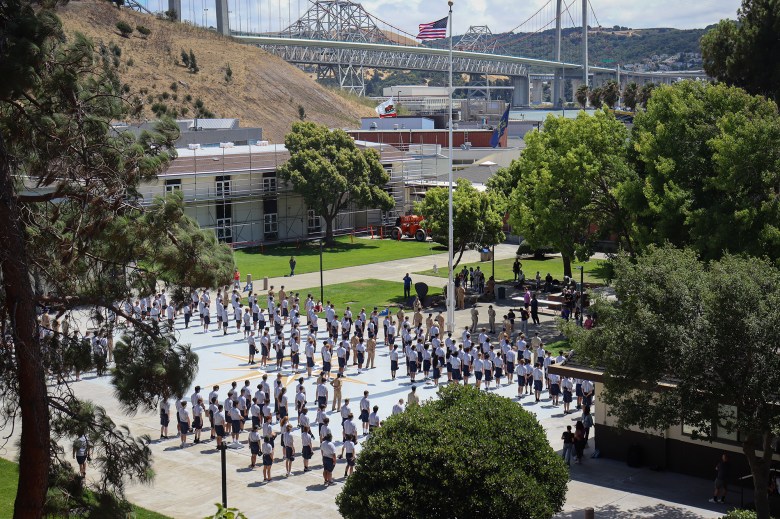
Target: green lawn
pixel 367 294
pixel 594 270
pixel 9 477
pixel 348 252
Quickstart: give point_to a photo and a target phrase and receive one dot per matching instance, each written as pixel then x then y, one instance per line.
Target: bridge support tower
pixel 223 22
pixel 175 5
pixel 521 95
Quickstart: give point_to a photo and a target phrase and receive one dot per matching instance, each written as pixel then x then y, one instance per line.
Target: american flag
pixel 433 30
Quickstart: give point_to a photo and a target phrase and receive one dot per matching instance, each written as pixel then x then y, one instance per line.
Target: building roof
pixel 258 158
pixel 212 124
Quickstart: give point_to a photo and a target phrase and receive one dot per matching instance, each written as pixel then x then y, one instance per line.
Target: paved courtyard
pixel 188 480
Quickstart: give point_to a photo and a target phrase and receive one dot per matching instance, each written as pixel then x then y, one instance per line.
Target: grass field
pixel 274 261
pixel 9 477
pixel 594 271
pixel 367 294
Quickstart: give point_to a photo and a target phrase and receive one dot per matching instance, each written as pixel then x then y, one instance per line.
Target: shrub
pixel 166 95
pixel 124 29
pixel 130 62
pixel 143 30
pixel 185 58
pixel 174 86
pixel 193 63
pixel 467 454
pixel 228 74
pixel 740 514
pixel 188 98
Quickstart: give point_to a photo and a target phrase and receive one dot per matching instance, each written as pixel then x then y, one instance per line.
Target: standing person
pixel 516 269
pixel 373 419
pixel 538 376
pixel 393 361
pixel 254 445
pixel 336 383
pixel 289 449
pixel 292 265
pixel 349 447
pixel 306 438
pixel 721 479
pixel 568 444
pixel 567 392
pixel 219 424
pixel 407 286
pixel 474 318
pixel 555 387
pixel 579 441
pixel 365 406
pixel 165 417
pixel 370 351
pixel 197 418
pixel 492 318
pixel 268 457
pixel 328 450
pixel 236 279
pixel 587 421
pixel 535 309
pixel 82 451
pixel 184 422
pixel 252 347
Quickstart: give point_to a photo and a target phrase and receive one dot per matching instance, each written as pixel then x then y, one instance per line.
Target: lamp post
pixel 223 449
pixel 581 300
pixel 322 289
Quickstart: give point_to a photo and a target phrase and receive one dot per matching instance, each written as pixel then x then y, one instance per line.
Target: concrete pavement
pixel 188 480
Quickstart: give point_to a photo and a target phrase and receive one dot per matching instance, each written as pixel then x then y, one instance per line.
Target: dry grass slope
pixel 265 91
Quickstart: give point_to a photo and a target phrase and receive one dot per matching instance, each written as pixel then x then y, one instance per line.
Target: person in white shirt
pixel 538 376
pixel 398 408
pixel 349 447
pixel 184 422
pixel 268 457
pixel 393 361
pixel 555 388
pixel 328 450
pixel 567 385
pixel 306 438
pixel 252 347
pixel 165 417
pixel 373 419
pixel 289 448
pixel 197 421
pixel 365 406
pixel 254 445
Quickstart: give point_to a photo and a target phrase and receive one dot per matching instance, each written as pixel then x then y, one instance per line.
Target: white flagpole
pixel 450 282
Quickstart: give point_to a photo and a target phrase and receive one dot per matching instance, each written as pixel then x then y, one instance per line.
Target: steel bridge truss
pixel 347 65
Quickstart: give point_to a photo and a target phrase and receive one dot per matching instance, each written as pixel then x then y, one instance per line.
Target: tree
pixel 570 176
pixel 185 58
pixel 582 95
pixel 744 53
pixel 645 93
pixel 193 63
pixel 611 93
pixel 301 113
pixel 330 172
pixel 476 217
pixel 143 30
pixel 75 237
pixel 596 97
pixel 400 472
pixel 631 96
pixel 228 74
pixel 707 158
pixel 124 29
pixel 682 318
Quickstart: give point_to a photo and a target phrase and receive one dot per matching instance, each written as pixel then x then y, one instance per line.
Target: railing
pixel 194 192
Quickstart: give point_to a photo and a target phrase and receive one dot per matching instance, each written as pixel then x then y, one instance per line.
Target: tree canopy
pixel 706 331
pixel 466 454
pixel 76 235
pixel 477 217
pixel 708 161
pixel 744 53
pixel 570 175
pixel 329 171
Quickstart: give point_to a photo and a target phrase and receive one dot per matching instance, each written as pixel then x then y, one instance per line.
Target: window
pixel 271 226
pixel 223 186
pixel 727 414
pixel 172 185
pixel 225 230
pixel 315 222
pixel 269 182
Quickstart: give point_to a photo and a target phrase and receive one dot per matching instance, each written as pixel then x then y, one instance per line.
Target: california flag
pixel 386 109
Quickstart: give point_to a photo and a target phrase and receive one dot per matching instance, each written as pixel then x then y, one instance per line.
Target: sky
pixel 499 15
pixel 503 15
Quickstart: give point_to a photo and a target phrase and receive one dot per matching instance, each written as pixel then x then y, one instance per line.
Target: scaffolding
pixel 235 192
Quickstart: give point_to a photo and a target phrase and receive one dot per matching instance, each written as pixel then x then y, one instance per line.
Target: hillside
pixel 607 47
pixel 264 90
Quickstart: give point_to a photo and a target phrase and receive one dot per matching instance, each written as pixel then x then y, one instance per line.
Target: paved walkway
pixel 187 480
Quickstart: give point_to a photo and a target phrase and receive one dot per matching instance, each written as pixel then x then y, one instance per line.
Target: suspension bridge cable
pixel 598 24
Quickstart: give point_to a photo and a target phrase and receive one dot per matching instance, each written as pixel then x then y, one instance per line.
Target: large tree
pixel 631 96
pixel 570 178
pixel 707 333
pixel 476 217
pixel 708 160
pixel 744 53
pixel 611 93
pixel 328 169
pixel 465 454
pixel 76 238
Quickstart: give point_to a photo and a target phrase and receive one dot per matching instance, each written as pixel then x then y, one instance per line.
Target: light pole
pixel 322 289
pixel 223 449
pixel 581 301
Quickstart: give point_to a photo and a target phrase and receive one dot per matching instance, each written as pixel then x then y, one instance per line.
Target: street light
pixel 581 301
pixel 223 449
pixel 322 289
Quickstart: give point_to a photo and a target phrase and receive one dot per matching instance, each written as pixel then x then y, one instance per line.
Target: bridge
pixel 340 40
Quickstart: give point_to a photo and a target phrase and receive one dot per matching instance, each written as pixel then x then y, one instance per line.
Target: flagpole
pixel 450 282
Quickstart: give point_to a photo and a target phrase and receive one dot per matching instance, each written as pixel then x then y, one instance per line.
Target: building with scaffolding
pixel 234 190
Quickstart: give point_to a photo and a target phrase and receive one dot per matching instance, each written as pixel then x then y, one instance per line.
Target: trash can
pixel 485 254
pixel 265 283
pixel 501 293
